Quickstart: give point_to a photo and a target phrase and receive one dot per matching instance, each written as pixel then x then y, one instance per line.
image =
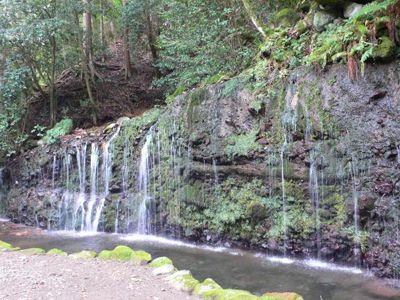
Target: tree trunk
pixel 253 17
pixel 85 57
pixel 150 36
pixel 127 52
pixel 52 92
pixel 88 37
pixel 102 33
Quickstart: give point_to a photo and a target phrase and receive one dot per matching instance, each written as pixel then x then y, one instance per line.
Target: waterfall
pixel 145 211
pixel 314 188
pixel 284 200
pixel 82 203
pixel 94 164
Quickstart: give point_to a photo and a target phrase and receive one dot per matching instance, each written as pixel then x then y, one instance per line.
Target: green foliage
pixel 179 91
pixel 370 10
pixel 201 39
pixel 62 128
pixel 242 144
pixel 38 130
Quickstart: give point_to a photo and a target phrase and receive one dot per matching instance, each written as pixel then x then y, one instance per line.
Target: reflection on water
pixel 313 279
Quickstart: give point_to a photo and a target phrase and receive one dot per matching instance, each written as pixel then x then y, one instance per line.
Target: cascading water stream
pixel 144 215
pixel 284 200
pixel 314 188
pixel 94 164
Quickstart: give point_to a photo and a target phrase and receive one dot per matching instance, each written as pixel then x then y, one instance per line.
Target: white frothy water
pixel 144 222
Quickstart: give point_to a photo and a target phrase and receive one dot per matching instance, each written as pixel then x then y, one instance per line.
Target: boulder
pixel 206 286
pixel 228 294
pixel 321 19
pixel 286 17
pixel 104 255
pixel 352 9
pixel 281 296
pixel 164 270
pixel 161 261
pixel 6 247
pixel 141 256
pixel 122 253
pixel 57 252
pixel 33 251
pixel 183 280
pixel 84 255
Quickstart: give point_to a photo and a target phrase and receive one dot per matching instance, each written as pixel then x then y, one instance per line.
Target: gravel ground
pixel 24 276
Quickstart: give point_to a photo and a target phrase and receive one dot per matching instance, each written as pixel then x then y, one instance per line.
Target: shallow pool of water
pixel 252 271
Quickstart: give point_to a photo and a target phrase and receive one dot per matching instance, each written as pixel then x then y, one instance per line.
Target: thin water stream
pixel 256 272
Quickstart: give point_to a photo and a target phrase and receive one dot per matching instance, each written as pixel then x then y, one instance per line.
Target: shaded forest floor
pixel 116 96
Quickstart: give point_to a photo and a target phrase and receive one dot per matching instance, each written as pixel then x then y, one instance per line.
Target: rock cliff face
pixel 307 167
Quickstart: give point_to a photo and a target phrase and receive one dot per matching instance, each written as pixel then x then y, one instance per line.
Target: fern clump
pixel 62 128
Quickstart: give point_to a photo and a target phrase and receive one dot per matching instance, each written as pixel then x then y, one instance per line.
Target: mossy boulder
pixel 301 26
pixel 161 261
pixel 104 255
pixel 206 286
pixel 385 49
pixel 122 253
pixel 183 280
pixel 141 256
pixel 7 247
pixel 286 17
pixel 228 294
pixel 84 255
pixel 57 252
pixel 164 270
pixel 281 296
pixel 33 251
pixel 321 19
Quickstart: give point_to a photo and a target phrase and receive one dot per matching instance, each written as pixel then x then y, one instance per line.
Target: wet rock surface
pixel 222 171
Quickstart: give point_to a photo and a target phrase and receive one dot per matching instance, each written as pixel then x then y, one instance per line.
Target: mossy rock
pixel 104 255
pixel 122 253
pixel 84 255
pixel 206 286
pixel 301 27
pixel 33 251
pixel 57 252
pixel 160 261
pixel 229 294
pixel 183 280
pixel 286 17
pixel 164 270
pixel 385 49
pixel 321 19
pixel 141 256
pixel 7 247
pixel 281 296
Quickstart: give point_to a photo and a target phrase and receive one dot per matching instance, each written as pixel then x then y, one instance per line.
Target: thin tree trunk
pixel 52 92
pixel 127 52
pixel 150 36
pixel 102 33
pixel 85 72
pixel 253 17
pixel 87 38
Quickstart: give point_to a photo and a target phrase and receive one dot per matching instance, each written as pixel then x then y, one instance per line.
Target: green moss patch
pixel 228 294
pixel 84 255
pixel 160 261
pixel 33 251
pixel 57 252
pixel 281 296
pixel 104 255
pixel 7 247
pixel 206 286
pixel 183 280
